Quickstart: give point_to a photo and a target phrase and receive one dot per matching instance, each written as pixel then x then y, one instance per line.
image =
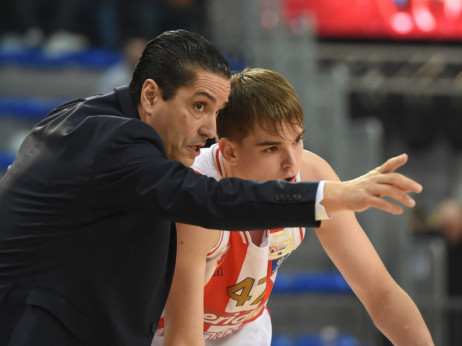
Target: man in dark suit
pixel 86 248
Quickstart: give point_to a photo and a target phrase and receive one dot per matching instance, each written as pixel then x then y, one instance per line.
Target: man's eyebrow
pixel 211 98
pixel 207 95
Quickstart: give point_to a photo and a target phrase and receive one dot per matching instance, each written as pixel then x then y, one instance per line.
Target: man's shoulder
pixel 93 122
pixel 95 113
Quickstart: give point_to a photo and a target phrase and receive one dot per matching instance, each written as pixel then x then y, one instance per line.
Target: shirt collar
pixel 127 103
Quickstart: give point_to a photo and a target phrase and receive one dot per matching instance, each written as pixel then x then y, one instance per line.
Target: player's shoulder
pixel 205 162
pixel 314 167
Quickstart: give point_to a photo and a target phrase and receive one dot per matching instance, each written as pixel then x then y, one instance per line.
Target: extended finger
pixel 395 193
pixel 400 181
pixel 393 164
pixel 385 205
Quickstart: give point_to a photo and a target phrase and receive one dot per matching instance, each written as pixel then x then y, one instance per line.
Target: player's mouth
pixel 291 179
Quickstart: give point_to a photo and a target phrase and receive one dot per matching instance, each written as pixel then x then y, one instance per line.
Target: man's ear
pixel 228 149
pixel 150 92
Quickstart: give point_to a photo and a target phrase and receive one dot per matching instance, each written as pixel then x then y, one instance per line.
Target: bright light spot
pixel 453 8
pixel 424 19
pixel 402 22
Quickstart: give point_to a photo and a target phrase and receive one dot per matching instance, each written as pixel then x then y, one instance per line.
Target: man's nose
pixel 209 127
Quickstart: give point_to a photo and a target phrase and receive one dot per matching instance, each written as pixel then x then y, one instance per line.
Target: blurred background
pixel 376 78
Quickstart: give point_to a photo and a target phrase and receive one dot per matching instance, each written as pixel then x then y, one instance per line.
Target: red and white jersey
pixel 239 274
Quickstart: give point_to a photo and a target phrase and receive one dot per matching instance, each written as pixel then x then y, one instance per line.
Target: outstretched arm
pixel 368 190
pixel 389 306
pixel 343 239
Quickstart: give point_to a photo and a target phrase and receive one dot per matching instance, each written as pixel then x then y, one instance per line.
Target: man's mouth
pixel 195 148
pixel 291 179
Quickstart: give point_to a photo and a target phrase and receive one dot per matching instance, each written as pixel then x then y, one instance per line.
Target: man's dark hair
pixel 171 58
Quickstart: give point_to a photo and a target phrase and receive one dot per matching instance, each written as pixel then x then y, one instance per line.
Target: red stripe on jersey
pixel 301 234
pixel 217 158
pixel 216 289
pixel 269 285
pixel 276 230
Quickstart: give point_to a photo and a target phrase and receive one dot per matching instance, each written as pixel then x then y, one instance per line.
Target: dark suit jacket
pixel 86 248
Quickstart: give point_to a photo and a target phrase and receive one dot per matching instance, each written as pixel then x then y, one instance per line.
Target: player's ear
pixel 228 150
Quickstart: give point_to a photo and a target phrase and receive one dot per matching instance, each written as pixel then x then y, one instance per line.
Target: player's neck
pixel 234 171
pixel 229 172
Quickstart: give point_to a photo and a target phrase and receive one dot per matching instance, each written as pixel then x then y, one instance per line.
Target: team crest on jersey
pixel 280 246
pixel 280 243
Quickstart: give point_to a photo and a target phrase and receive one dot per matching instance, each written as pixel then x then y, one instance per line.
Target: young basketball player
pixel 223 279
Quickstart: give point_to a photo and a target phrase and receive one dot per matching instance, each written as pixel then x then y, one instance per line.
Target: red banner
pixel 433 20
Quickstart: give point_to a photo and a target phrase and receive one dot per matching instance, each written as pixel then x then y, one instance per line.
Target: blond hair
pixel 259 96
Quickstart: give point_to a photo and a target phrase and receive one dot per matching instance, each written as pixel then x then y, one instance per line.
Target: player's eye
pixel 271 149
pixel 298 140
